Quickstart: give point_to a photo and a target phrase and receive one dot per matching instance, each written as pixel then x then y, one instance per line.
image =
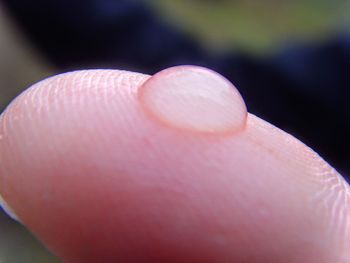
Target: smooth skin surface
pixel 94 166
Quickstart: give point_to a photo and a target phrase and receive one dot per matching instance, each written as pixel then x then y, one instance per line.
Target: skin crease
pixel 98 179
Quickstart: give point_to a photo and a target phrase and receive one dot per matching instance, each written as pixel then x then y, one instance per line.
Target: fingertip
pixel 91 163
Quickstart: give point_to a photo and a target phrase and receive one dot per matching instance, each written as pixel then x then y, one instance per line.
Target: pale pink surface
pixel 99 180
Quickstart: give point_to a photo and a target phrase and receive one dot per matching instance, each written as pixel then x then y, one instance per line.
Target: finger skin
pixel 89 172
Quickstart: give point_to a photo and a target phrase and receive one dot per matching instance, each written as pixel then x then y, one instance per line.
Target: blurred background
pixel 290 59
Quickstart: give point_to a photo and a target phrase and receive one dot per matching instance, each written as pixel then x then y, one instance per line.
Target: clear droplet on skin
pixel 194 98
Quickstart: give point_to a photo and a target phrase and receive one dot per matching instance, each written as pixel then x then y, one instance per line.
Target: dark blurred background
pixel 290 60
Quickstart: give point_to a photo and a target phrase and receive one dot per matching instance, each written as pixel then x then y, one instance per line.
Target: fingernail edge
pixel 8 210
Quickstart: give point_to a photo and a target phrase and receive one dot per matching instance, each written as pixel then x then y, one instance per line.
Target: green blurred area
pixel 255 26
pixel 18 246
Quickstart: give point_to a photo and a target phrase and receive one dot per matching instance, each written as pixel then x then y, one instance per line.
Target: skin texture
pixel 90 168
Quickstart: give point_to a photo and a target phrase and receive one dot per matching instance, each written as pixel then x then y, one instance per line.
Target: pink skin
pixel 94 173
